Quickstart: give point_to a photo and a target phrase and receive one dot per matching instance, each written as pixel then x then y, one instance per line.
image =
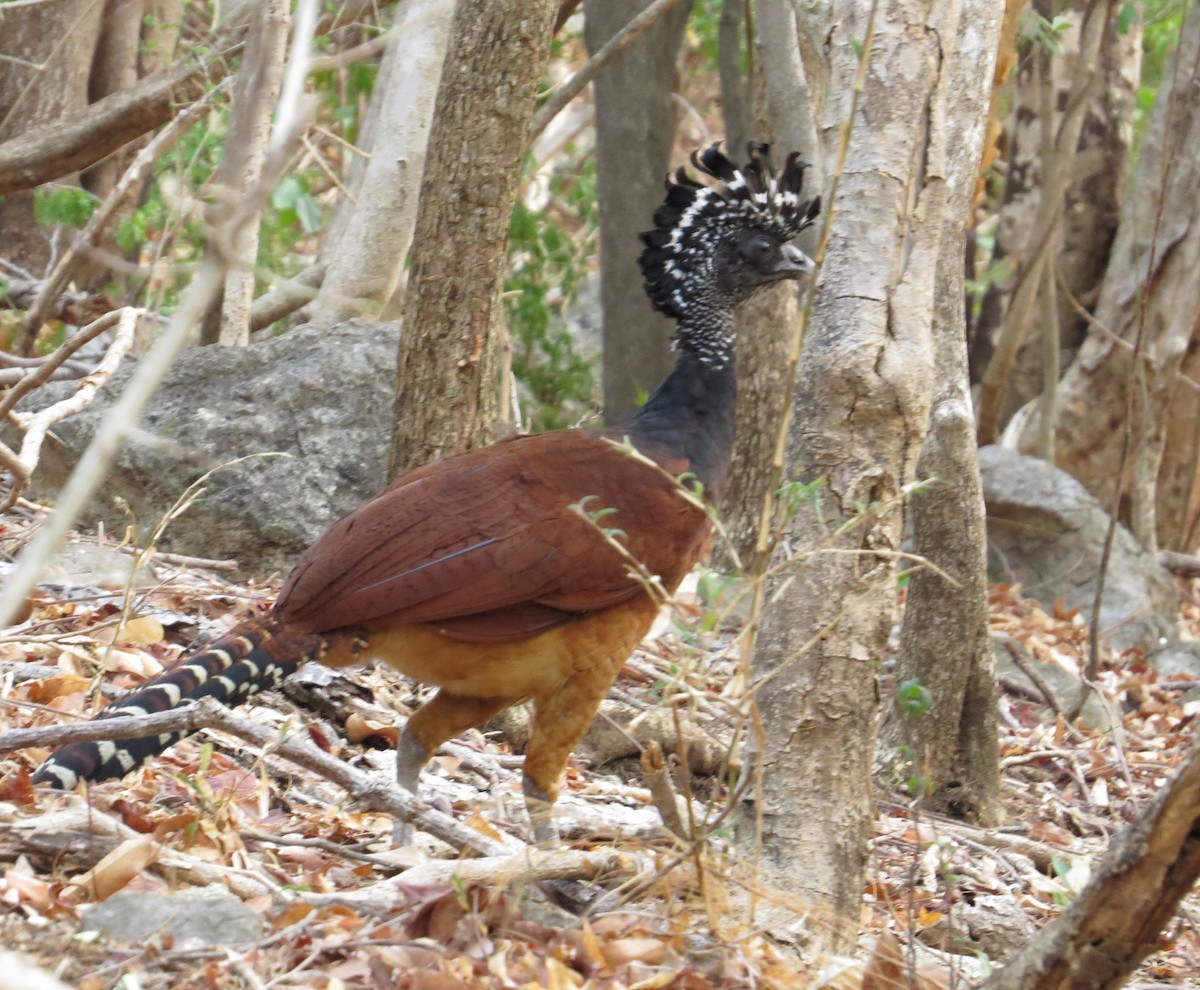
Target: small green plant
pixel 1048 31
pixel 795 495
pixel 914 699
pixel 69 206
pixel 907 776
pixel 549 251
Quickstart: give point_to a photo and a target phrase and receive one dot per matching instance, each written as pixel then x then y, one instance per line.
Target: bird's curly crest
pixel 695 217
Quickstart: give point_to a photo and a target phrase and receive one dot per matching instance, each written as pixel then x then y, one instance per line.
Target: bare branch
pixel 122 417
pixel 81 139
pixel 36 424
pixel 592 68
pixel 1116 920
pixel 130 182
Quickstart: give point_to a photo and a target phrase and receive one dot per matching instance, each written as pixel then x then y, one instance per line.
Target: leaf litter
pixel 623 903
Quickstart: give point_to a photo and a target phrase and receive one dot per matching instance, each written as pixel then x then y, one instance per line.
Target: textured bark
pixel 945 644
pixel 368 243
pixel 635 125
pixel 783 117
pixel 255 94
pixel 764 324
pixel 862 405
pixel 1089 208
pixel 45 56
pixel 448 379
pixel 1035 268
pixel 1151 299
pixel 114 69
pixel 1097 942
pixel 734 104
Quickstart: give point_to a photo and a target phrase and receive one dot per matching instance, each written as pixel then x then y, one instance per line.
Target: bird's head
pixel 714 245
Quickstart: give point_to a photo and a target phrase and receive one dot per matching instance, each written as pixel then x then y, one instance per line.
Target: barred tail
pixel 248 660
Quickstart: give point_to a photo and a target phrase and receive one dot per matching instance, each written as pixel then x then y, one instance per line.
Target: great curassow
pixel 493 574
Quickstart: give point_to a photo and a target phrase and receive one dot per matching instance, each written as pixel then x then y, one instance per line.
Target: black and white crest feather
pixel 695 218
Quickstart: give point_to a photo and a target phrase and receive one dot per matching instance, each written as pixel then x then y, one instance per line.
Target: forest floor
pixel 309 891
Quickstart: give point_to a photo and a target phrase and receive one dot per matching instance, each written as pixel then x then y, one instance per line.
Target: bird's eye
pixel 758 249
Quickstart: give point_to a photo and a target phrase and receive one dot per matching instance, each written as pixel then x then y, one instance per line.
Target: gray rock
pixel 1047 532
pixel 1013 661
pixel 323 397
pixel 1177 661
pixel 193 919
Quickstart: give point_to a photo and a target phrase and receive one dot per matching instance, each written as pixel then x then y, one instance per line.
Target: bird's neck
pixel 692 412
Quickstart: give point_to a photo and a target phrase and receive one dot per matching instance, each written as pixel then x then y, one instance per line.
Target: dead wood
pixel 1115 922
pixel 373 790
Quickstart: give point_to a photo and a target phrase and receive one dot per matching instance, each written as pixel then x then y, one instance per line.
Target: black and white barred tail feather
pixel 250 659
pixel 694 216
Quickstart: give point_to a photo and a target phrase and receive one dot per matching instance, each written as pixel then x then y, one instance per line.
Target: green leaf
pixel 66 205
pixel 131 231
pixel 309 213
pixel 914 698
pixel 1125 18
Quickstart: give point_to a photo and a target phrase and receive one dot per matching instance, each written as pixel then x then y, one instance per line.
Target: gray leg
pixel 410 757
pixel 540 807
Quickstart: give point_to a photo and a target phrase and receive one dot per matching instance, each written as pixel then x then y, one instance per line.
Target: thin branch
pixel 46 365
pixel 81 139
pixel 129 183
pixel 374 790
pixel 36 424
pixel 123 416
pixel 592 68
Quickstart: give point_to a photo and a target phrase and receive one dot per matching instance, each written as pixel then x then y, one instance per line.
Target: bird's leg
pixel 540 807
pixel 442 717
pixel 559 721
pixel 410 757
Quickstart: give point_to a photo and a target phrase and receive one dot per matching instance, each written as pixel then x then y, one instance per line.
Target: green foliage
pixel 1048 32
pixel 1160 37
pixel 295 206
pixel 703 26
pixel 1125 18
pixel 914 699
pixel 913 782
pixel 795 495
pixel 548 254
pixel 69 206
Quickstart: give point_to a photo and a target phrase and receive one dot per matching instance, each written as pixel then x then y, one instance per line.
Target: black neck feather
pixel 692 414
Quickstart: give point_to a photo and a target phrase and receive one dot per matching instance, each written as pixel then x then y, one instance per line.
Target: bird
pixel 530 569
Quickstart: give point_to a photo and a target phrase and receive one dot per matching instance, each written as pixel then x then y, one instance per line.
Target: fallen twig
pixel 373 790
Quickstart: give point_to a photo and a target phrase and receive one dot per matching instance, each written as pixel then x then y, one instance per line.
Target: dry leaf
pixel 377 735
pixel 18 788
pixel 650 951
pixel 142 631
pixel 114 871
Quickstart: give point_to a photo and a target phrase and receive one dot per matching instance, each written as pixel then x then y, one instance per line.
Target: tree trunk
pixel 45 57
pixel 1090 207
pixel 1034 276
pixel 368 242
pixel 945 646
pixel 448 380
pixel 950 747
pixel 783 117
pixel 255 95
pixel 1114 923
pixel 862 406
pixel 1150 301
pixel 635 126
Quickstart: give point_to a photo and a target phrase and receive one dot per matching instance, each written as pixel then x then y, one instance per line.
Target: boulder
pixel 193 919
pixel 317 400
pixel 1046 532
